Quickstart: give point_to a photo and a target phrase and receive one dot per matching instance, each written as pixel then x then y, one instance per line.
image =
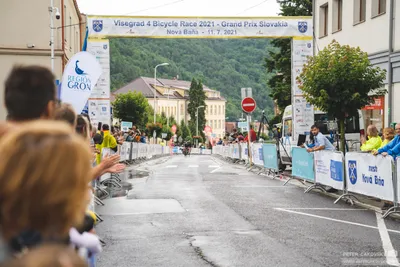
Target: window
pixel 378 7
pixel 337 15
pixel 219 110
pixel 323 20
pixel 211 110
pixel 219 124
pixel 359 11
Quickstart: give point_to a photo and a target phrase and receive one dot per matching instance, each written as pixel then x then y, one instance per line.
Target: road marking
pixel 334 220
pixel 321 209
pixel 213 166
pixel 390 253
pixel 171 166
pixel 261 186
pixel 193 166
pixel 215 170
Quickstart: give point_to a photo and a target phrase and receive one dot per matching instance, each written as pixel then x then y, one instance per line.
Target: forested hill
pixel 224 65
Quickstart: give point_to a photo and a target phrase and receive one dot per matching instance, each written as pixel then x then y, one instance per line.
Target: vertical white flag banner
pixel 79 78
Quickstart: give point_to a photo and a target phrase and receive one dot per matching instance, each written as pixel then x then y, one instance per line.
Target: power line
pixel 247 9
pixel 154 7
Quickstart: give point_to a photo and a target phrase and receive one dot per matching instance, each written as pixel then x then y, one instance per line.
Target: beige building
pixel 25 36
pixel 172 97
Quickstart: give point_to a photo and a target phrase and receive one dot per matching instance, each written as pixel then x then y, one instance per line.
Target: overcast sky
pixel 260 8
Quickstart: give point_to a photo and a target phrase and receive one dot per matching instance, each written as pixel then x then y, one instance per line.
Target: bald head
pixel 397 128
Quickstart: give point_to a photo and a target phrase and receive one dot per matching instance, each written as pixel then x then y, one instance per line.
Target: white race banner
pixel 244 154
pixel 79 77
pixel 101 50
pixel 370 175
pixel 257 153
pixel 303 112
pixel 99 111
pixel 329 168
pixel 236 151
pixel 398 177
pixel 199 27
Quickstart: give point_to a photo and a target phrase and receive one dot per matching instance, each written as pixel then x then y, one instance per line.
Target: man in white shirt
pixel 320 141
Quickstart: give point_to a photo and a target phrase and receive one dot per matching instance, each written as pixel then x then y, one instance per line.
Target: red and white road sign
pixel 248 104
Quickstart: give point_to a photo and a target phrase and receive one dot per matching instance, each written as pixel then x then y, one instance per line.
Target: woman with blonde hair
pixel 44 184
pixel 388 135
pixel 373 142
pixel 49 255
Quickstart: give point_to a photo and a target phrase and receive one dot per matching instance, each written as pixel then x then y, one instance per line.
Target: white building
pixel 172 98
pixel 371 25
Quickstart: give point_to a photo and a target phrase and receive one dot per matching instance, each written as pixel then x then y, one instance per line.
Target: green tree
pixel 279 60
pixel 197 98
pixel 132 107
pixel 185 131
pixel 340 80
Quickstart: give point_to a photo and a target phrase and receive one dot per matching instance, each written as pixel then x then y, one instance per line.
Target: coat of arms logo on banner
pixel 97 25
pixel 303 27
pixel 353 171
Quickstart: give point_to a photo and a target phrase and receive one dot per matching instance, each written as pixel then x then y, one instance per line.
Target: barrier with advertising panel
pixel 329 168
pixel 257 153
pixel 370 175
pixel 302 164
pixel 397 177
pixel 244 151
pixel 270 156
pixel 235 151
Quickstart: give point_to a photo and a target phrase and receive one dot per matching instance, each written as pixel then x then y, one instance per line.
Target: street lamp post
pixel 168 113
pixel 57 14
pixel 155 83
pixel 197 121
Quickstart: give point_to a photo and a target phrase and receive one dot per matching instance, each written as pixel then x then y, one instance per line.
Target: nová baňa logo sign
pixel 353 171
pixel 302 25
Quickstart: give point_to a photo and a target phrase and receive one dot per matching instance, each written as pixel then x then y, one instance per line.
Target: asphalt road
pixel 201 211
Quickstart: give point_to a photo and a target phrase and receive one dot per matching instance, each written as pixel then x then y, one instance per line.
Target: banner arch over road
pixel 300 29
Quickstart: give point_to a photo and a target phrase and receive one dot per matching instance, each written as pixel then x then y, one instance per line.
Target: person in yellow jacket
pixel 108 141
pixel 374 141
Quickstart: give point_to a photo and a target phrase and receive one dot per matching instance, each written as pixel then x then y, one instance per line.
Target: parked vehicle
pixel 329 127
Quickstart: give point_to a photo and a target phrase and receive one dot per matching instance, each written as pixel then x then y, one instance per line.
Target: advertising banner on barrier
pixel 329 169
pixel 270 156
pixel 398 176
pixel 370 175
pixel 302 164
pixel 257 153
pixel 236 152
pixel 244 151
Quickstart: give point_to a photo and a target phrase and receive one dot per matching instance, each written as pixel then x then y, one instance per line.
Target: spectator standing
pixel 143 138
pixel 393 147
pixel 388 135
pixel 252 134
pixel 374 141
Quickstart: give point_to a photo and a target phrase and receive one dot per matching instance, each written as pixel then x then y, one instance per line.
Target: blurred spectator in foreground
pixel 30 94
pixel 374 141
pixel 44 180
pixel 66 113
pixel 49 256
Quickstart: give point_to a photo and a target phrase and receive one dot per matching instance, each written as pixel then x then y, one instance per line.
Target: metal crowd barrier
pixel 356 173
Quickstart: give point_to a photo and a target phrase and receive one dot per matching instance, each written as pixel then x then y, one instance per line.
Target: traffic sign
pixel 248 105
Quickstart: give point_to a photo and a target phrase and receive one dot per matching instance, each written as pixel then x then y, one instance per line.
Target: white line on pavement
pixel 390 253
pixel 334 220
pixel 215 170
pixel 171 166
pixel 261 186
pixel 193 166
pixel 321 209
pixel 213 166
